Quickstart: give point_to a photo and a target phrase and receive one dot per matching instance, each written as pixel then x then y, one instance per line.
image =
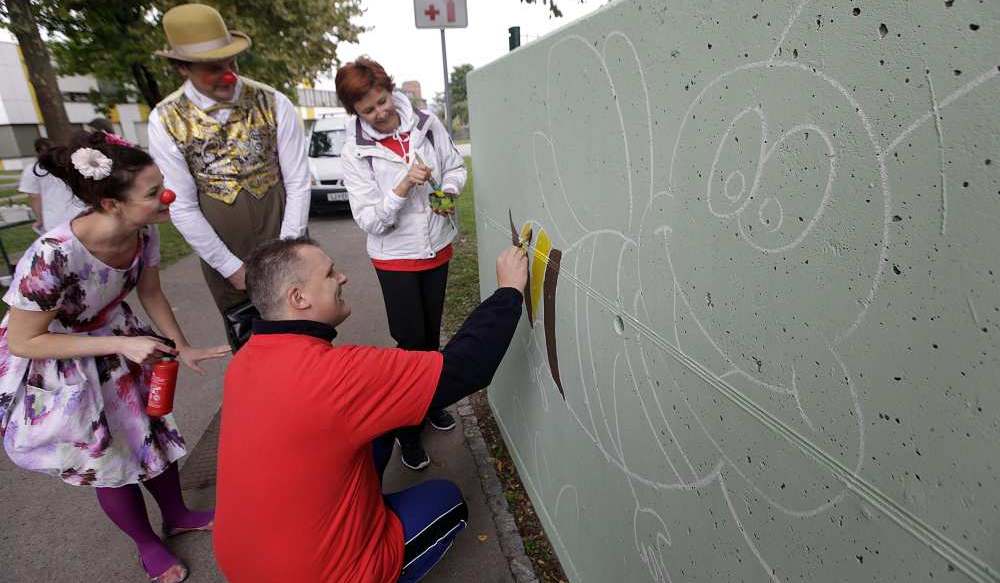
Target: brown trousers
pixel 242 225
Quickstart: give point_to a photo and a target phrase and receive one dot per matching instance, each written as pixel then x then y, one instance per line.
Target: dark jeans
pixel 414 302
pixel 432 513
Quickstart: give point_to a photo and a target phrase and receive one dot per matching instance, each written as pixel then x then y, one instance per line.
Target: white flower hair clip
pixel 91 163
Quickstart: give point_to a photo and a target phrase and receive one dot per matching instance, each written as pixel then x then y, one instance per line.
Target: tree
pixel 458 88
pixel 39 64
pixel 551 3
pixel 437 105
pixel 114 40
pixel 459 95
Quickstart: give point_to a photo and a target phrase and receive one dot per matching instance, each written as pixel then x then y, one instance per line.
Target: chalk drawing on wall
pixel 756 204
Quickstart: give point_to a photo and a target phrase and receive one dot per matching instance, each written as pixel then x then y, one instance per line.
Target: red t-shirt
pixel 298 498
pixel 395 146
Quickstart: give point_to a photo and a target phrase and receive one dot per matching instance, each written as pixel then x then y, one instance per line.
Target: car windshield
pixel 326 144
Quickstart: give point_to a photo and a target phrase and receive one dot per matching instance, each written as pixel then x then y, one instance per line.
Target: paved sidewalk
pixel 54 532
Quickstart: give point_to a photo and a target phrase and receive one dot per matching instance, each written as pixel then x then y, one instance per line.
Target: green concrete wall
pixel 776 322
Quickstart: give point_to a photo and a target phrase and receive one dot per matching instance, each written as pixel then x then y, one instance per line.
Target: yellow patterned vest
pixel 224 158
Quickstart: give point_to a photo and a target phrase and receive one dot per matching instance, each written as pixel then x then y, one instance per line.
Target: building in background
pixel 315 103
pixel 21 119
pixel 412 90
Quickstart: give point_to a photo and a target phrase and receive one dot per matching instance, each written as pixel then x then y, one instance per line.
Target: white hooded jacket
pixel 401 227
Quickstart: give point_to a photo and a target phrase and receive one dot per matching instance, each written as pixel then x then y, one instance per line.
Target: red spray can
pixel 162 384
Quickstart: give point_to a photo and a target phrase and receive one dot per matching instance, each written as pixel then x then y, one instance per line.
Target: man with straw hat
pixel 232 149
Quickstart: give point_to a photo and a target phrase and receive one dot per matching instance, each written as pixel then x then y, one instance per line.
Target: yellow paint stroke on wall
pixel 31 87
pixel 538 262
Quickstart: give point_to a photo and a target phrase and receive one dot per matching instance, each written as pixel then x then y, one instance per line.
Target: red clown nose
pixel 228 78
pixel 168 196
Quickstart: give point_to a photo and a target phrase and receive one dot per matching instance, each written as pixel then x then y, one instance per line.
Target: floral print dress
pixel 82 419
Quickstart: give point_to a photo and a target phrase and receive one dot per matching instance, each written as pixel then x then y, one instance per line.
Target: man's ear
pixel 182 68
pixel 296 299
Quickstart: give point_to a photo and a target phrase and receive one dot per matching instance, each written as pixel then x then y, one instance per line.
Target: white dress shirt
pixel 58 203
pixel 186 213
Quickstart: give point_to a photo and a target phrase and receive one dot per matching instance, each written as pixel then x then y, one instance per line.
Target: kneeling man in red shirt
pixel 306 429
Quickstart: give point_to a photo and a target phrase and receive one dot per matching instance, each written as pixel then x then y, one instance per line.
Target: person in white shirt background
pixel 51 200
pixel 232 149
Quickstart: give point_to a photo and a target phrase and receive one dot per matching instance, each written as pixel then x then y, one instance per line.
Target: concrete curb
pixel 510 538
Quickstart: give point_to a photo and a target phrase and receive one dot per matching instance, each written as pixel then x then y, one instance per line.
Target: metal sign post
pixel 447 85
pixel 442 14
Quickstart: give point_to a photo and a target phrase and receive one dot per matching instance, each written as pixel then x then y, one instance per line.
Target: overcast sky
pixel 408 53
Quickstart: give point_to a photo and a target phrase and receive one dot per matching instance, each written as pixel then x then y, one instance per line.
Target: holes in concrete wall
pixel 619 325
pixel 856 11
pixel 883 30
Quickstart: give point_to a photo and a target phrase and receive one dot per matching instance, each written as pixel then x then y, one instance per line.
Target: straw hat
pixel 196 33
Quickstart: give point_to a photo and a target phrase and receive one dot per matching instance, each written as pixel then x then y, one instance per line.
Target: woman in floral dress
pixel 75 361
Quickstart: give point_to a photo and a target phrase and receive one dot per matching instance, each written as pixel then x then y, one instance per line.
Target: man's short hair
pixel 270 269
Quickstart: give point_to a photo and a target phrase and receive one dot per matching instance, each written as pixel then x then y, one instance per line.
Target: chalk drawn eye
pixel 737 162
pixel 778 188
pixel 792 188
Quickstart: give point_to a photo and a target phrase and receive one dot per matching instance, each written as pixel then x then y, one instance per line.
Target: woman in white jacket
pixel 392 157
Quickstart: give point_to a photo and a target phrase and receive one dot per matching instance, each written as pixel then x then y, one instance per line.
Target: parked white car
pixel 326 139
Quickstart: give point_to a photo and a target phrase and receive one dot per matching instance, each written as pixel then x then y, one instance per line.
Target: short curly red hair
pixel 356 79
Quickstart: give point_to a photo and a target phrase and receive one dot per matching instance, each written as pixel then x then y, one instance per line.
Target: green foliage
pixel 551 4
pixel 437 106
pixel 462 295
pixel 114 40
pixel 458 88
pixel 459 98
pixel 17 239
pixel 172 245
pixel 459 95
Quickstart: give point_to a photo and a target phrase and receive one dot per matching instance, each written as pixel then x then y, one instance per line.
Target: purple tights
pixel 127 509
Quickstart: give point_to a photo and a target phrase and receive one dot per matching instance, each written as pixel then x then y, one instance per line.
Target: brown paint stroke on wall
pixel 549 295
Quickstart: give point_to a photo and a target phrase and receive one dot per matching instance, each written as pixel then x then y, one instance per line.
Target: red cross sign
pixel 440 13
